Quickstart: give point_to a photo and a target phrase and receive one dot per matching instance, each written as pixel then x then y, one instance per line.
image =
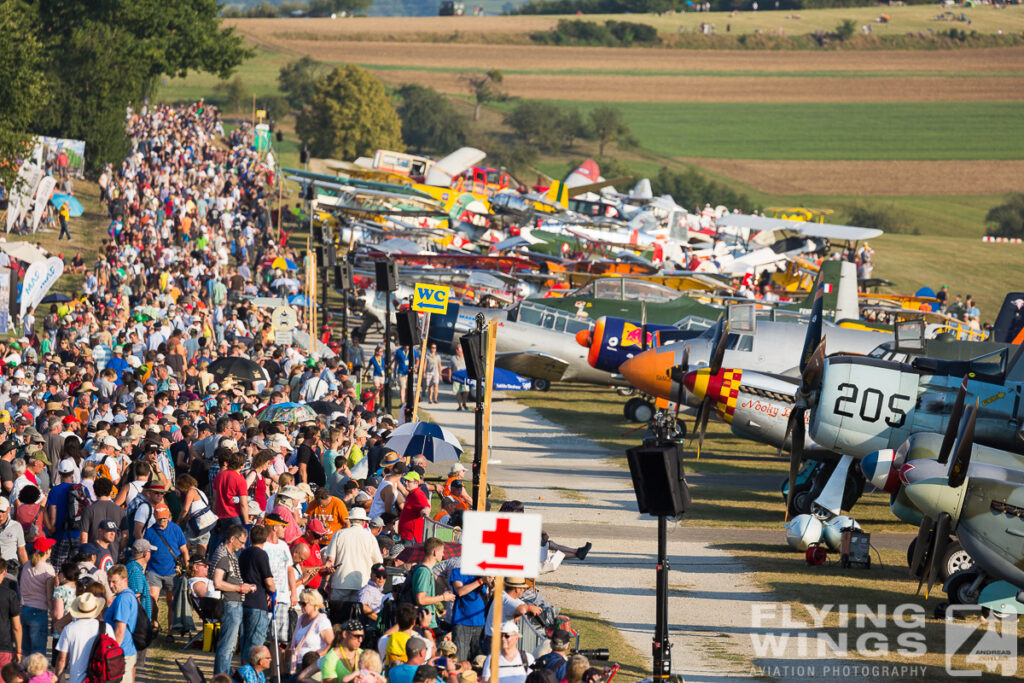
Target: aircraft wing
pixel 532 364
pixel 831 231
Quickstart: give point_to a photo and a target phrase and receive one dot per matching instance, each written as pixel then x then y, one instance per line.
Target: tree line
pixel 70 68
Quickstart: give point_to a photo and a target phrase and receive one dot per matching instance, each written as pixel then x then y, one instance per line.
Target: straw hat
pixel 87 606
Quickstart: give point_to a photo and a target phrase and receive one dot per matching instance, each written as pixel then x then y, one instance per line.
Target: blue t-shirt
pixel 124 608
pixel 402 673
pixel 162 560
pixel 470 609
pixel 58 498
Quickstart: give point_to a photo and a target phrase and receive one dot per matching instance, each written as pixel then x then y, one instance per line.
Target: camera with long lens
pixel 594 654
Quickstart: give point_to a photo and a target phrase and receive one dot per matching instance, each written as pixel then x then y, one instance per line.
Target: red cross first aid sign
pixel 500 544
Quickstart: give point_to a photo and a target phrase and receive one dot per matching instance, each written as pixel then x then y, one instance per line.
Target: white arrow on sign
pixel 501 544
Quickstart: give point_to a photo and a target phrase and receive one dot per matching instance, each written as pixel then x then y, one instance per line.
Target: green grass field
pixel 828 131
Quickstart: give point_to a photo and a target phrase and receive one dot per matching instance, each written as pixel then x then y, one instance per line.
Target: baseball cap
pixel 108 525
pixel 5 505
pixel 412 476
pixel 162 512
pixel 142 546
pixel 66 466
pixel 317 527
pixel 273 519
pixel 88 549
pixel 561 636
pixel 43 544
pixel 509 627
pixel 378 570
pixel 377 523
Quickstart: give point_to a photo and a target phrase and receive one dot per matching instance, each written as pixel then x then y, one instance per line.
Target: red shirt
pixel 228 486
pixel 410 522
pixel 314 560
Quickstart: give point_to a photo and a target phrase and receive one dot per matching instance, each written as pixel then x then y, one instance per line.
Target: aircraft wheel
pixel 643 412
pixel 954 560
pixel 681 428
pixel 959 586
pixel 854 489
pixel 625 391
pixel 802 498
pixel 540 384
pixel 629 408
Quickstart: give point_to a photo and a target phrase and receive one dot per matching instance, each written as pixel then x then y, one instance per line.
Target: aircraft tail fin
pixel 558 193
pixel 838 282
pixel 1009 325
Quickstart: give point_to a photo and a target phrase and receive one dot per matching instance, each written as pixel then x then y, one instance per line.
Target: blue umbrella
pixel 504 380
pixel 427 439
pixel 925 291
pixel 298 300
pixel 74 206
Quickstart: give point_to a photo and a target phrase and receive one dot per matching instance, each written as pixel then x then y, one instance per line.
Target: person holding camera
pixel 558 658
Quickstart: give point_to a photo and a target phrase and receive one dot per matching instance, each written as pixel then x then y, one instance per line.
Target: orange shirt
pixel 333 514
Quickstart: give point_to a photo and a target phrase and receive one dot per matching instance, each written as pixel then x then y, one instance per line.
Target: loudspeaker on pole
pixel 475 368
pixel 408 328
pixel 387 276
pixel 657 473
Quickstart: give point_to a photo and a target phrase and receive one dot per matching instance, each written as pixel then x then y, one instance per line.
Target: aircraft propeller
pixel 678 373
pixel 717 355
pixel 812 365
pixel 925 562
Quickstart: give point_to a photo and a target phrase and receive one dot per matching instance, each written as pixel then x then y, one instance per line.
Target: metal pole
pixel 387 354
pixel 478 430
pixel 662 648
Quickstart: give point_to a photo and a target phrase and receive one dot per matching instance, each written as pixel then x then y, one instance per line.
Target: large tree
pixel 100 56
pixel 429 122
pixel 484 88
pixel 297 80
pixel 24 91
pixel 349 115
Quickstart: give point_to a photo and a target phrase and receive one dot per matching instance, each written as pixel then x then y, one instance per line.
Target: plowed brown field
pixel 871 177
pixel 335 48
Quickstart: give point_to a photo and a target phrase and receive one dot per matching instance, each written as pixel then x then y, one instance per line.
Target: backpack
pixel 31 529
pixel 78 501
pixel 106 661
pixel 145 630
pixel 405 594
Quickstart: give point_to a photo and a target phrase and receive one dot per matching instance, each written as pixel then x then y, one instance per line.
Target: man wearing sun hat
pixel 78 638
pixel 350 554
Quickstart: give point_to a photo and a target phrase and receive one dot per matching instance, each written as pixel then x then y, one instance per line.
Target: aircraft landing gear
pixel 625 391
pixel 834 486
pixel 540 384
pixel 954 560
pixel 637 409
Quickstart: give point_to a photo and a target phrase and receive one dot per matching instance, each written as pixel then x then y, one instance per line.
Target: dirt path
pixel 565 478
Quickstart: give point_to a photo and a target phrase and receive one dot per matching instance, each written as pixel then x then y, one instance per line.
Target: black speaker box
pixel 343 278
pixel 387 276
pixel 657 473
pixel 475 369
pixel 321 257
pixel 408 328
pixel 318 234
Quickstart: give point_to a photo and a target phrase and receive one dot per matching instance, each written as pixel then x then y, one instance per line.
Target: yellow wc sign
pixel 430 298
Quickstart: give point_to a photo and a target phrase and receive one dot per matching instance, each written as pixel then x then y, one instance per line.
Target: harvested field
pixel 1002 61
pixel 733 89
pixel 871 177
pixel 483 29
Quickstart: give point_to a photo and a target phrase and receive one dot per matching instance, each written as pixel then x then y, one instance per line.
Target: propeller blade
pixel 811 376
pixel 785 437
pixel 963 449
pixel 685 365
pixel 921 548
pixel 796 452
pixel 718 352
pixel 939 543
pixel 954 423
pixel 814 325
pixel 705 415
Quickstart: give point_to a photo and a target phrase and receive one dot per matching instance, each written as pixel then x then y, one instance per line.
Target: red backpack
pixel 106 663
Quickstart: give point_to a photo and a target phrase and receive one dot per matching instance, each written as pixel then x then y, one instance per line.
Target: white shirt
pixel 353 551
pixel 510 670
pixel 76 640
pixel 509 605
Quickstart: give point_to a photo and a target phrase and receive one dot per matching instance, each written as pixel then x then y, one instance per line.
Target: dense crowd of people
pixel 141 487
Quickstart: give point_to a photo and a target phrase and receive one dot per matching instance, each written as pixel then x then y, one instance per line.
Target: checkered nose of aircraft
pixel 723 388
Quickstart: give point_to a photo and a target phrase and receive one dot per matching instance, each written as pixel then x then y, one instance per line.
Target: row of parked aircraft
pixel 633 291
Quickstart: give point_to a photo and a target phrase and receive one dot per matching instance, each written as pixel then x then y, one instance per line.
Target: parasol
pixel 286 412
pixel 424 438
pixel 242 369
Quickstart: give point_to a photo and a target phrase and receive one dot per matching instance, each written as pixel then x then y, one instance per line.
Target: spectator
pixel 313 631
pixel 123 616
pixel 512 607
pixel 76 641
pixel 415 657
pixel 37 582
pixel 513 664
pixel 342 658
pixel 12 536
pixel 351 554
pixel 227 578
pixel 257 605
pixel 259 661
pixel 10 621
pixel 165 565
